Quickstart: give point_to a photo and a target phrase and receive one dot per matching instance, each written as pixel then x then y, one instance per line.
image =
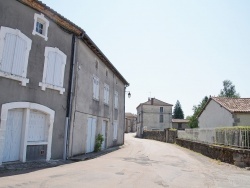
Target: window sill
pixel 23 80
pixel 45 85
pixel 36 33
pixel 33 143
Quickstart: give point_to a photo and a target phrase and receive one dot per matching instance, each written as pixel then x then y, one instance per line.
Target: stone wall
pixel 236 156
pixel 171 135
pixel 155 135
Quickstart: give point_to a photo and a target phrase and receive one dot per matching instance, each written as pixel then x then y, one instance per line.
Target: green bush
pixel 98 143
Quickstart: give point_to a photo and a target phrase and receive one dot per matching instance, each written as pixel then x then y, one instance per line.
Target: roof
pixel 180 120
pixel 155 102
pixel 78 31
pixel 233 105
pixel 128 114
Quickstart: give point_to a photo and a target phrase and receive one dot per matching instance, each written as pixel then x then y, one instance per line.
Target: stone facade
pixel 153 115
pixel 130 122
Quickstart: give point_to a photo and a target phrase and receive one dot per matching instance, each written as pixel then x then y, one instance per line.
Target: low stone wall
pixel 171 135
pixel 155 135
pixel 236 156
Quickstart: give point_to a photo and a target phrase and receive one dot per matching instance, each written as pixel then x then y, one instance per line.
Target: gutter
pixel 69 99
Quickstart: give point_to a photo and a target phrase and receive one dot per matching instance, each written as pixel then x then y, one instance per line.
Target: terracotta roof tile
pixel 180 120
pixel 241 105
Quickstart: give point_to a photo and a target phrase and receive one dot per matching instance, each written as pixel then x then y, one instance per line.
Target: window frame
pixel 161 109
pixel 22 78
pixel 42 20
pixel 161 120
pixel 45 85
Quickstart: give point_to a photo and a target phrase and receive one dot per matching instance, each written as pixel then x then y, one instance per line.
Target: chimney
pixel 152 101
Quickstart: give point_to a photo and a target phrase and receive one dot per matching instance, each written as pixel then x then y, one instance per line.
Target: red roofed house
pixel 224 112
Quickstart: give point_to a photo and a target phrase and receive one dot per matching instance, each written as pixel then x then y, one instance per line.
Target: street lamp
pixel 129 94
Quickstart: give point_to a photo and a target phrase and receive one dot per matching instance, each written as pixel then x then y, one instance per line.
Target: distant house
pixel 224 112
pixel 180 124
pixel 153 115
pixel 130 122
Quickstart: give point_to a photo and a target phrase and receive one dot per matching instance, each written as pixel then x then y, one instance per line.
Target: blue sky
pixel 169 49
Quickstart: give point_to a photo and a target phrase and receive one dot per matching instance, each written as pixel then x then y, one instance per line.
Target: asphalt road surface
pixel 139 163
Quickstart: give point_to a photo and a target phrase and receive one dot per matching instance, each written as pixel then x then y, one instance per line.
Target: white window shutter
pixel 8 53
pixel 97 89
pixel 19 57
pixel 58 70
pixel 94 88
pixel 50 68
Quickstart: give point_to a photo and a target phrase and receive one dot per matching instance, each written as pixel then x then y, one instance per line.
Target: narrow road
pixel 140 163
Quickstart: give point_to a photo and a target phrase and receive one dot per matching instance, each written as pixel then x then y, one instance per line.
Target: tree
pixel 193 120
pixel 228 90
pixel 178 112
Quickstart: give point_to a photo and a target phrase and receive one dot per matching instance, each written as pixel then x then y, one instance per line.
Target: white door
pixel 104 126
pixel 91 135
pixel 13 135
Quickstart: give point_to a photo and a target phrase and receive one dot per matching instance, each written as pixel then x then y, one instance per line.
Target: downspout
pixel 69 99
pixel 124 115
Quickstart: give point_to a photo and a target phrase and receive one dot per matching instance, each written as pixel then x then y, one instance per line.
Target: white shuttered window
pixel 116 99
pixel 115 130
pixel 106 94
pixel 95 88
pixel 14 54
pixel 54 66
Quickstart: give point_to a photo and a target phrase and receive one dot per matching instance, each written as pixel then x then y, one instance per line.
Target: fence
pixel 235 136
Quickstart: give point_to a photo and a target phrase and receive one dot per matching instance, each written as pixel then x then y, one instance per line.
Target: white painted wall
pixel 215 116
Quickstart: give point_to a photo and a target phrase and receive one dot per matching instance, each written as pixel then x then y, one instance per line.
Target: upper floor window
pixel 116 99
pixel 161 118
pixel 14 54
pixel 41 25
pixel 53 71
pixel 106 93
pixel 95 88
pixel 161 109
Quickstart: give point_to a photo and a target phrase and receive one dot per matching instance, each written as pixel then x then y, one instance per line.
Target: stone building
pixel 225 112
pixel 130 122
pixel 153 115
pixel 180 124
pixel 58 89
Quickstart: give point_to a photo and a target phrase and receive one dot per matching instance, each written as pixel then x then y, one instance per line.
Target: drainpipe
pixel 69 98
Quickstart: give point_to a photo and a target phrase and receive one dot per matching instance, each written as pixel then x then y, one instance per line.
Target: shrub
pixel 98 142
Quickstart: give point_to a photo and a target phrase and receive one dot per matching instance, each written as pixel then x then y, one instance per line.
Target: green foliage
pixel 228 90
pixel 98 142
pixel 193 120
pixel 178 112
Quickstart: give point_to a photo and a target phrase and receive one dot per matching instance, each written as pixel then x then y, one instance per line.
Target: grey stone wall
pixel 236 156
pixel 171 135
pixel 155 135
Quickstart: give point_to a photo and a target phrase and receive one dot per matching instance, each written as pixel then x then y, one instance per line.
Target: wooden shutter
pixel 115 130
pixel 116 99
pixel 50 68
pixel 13 60
pixel 58 72
pixel 19 57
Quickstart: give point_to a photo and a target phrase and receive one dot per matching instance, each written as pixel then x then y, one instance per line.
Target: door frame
pixel 27 106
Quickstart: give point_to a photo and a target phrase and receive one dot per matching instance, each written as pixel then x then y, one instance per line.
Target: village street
pixel 139 163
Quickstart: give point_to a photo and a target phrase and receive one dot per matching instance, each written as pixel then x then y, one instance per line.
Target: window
pixel 106 94
pixel 41 25
pixel 161 109
pixel 53 71
pixel 116 99
pixel 161 118
pixel 95 88
pixel 14 54
pixel 115 131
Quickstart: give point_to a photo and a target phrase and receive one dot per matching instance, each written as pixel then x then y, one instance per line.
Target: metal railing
pixel 224 136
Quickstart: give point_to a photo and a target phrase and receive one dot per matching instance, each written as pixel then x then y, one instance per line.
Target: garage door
pixel 13 135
